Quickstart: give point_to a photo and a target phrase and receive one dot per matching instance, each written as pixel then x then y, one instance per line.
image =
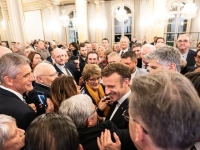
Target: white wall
pixel 33 25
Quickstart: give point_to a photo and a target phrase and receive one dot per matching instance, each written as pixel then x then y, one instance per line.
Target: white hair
pixel 78 108
pixel 5 122
pixel 148 46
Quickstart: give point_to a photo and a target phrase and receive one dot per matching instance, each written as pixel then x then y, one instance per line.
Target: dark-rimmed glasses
pixel 94 79
pixel 126 117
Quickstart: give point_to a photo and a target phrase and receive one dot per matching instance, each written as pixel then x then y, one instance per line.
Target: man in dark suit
pixel 184 42
pixel 124 44
pixel 44 74
pixel 62 67
pixel 82 111
pixel 116 79
pixel 163 107
pixel 82 56
pixel 16 79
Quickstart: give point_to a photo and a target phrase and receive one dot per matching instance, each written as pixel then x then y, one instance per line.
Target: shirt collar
pixel 197 145
pixel 12 91
pixel 122 99
pixel 185 55
pixel 43 85
pixel 60 66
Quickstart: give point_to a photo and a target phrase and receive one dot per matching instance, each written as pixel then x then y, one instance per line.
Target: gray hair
pixel 78 108
pixel 166 55
pixel 148 46
pixel 5 121
pixel 168 107
pixel 10 65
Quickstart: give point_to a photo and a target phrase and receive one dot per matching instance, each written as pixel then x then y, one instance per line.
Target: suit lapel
pixel 120 110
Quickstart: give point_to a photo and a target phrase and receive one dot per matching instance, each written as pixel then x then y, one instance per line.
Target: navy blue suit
pixel 12 105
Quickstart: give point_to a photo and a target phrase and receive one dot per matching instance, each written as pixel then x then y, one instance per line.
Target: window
pixel 73 34
pixel 176 25
pixel 123 28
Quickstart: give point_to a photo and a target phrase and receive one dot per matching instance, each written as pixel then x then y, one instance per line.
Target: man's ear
pixel 38 78
pixel 126 82
pixel 172 66
pixel 8 81
pixel 89 122
pixel 139 134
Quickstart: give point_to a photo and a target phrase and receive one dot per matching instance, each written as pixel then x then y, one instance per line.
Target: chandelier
pixel 189 10
pixel 121 14
pixel 64 19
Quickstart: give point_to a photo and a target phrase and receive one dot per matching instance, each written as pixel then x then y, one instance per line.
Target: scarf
pixel 97 96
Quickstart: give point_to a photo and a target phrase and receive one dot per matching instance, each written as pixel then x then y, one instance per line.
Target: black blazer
pixel 118 119
pixel 72 68
pixel 12 105
pixel 190 58
pixel 33 98
pixel 88 136
pixel 81 64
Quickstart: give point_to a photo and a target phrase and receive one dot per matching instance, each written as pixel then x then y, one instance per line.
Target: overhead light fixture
pixel 121 14
pixel 64 19
pixel 189 10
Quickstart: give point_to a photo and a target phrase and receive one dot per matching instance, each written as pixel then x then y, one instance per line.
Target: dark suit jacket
pixel 88 136
pixel 72 68
pixel 190 58
pixel 82 64
pixel 118 119
pixel 33 98
pixel 50 59
pixel 139 62
pixel 12 105
pixel 190 63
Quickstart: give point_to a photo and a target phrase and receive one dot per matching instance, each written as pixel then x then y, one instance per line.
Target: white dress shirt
pixel 120 101
pixel 64 70
pixel 120 53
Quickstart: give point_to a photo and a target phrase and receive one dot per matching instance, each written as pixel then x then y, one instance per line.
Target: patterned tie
pixel 122 53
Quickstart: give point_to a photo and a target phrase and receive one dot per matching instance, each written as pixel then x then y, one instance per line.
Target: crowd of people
pixel 87 96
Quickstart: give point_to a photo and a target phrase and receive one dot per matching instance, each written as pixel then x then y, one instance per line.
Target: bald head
pixel 4 50
pixel 45 73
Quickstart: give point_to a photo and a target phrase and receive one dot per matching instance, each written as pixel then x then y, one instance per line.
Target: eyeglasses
pixel 125 114
pixel 51 75
pixel 94 80
pixel 184 41
pixel 94 111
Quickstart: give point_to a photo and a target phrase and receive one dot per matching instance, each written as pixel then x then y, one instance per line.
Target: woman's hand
pixel 103 103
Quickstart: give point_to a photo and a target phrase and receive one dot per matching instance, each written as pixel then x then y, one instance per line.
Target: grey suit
pixel 139 72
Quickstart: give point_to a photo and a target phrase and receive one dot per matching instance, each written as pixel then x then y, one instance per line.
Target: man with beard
pixel 83 55
pixel 129 58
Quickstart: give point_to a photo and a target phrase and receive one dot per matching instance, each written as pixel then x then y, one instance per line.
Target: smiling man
pixel 124 44
pixel 116 78
pixel 16 79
